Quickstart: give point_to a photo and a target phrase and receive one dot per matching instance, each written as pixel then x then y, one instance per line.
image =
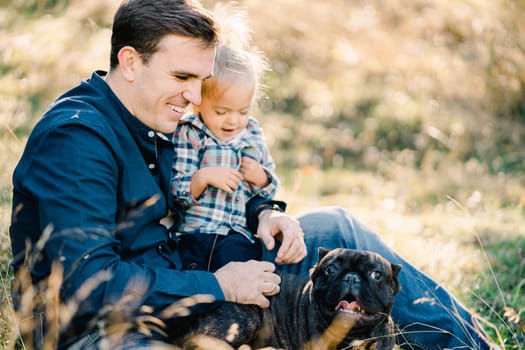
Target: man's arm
pixel 271 223
pixel 72 177
pixel 73 174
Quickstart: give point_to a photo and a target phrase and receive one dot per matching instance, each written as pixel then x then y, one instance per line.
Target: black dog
pixel 346 303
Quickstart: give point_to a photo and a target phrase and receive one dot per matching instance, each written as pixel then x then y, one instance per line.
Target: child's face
pixel 227 114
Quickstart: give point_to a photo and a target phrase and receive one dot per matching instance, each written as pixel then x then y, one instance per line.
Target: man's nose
pixel 193 92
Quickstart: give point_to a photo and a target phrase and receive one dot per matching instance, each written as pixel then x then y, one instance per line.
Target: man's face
pixel 171 79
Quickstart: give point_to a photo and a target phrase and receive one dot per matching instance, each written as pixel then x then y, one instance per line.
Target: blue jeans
pixel 425 314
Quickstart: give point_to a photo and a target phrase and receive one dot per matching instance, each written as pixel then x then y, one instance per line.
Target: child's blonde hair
pixel 237 61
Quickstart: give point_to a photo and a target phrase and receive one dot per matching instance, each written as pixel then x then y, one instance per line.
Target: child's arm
pixel 259 173
pixel 224 178
pixel 188 181
pixel 253 172
pixel 186 143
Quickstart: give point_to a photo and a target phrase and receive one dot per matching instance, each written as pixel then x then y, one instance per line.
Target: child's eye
pixel 220 112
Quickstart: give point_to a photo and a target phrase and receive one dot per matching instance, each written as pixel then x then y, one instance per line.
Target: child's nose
pixel 233 118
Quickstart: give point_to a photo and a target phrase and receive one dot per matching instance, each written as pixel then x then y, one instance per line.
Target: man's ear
pixel 128 58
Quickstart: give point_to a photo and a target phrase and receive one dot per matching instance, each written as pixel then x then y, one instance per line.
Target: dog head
pixel 357 283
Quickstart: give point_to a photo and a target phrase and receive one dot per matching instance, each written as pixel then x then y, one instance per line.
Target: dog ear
pixel 395 271
pixel 314 271
pixel 322 251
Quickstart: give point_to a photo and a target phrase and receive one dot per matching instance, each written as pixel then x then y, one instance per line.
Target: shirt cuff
pixel 256 205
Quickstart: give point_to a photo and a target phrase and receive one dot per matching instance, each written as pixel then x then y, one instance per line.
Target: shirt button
pixel 151 166
pixel 237 199
pixel 151 133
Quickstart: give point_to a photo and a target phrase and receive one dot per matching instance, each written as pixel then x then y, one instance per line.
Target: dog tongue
pixel 345 305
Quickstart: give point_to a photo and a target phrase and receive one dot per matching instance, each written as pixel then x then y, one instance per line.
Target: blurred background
pixel 411 114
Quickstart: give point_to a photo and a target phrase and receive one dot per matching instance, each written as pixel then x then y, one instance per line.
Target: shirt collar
pixel 137 128
pixel 196 121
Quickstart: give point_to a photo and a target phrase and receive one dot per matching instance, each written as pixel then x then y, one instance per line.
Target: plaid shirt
pixel 216 211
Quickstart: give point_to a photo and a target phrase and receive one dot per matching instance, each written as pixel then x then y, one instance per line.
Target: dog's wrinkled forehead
pixel 354 259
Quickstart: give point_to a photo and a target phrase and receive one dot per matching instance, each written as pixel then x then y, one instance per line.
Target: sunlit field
pixel 409 114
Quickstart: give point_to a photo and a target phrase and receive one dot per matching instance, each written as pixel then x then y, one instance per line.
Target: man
pixel 91 192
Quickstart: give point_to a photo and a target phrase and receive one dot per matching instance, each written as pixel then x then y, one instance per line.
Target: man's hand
pixel 248 282
pixel 276 225
pixel 253 172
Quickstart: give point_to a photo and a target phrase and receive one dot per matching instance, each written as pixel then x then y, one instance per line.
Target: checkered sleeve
pixel 186 143
pixel 258 141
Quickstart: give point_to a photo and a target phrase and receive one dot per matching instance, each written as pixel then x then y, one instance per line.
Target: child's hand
pixel 224 178
pixel 253 172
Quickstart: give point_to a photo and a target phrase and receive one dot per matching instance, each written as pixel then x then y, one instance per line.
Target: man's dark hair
pixel 143 23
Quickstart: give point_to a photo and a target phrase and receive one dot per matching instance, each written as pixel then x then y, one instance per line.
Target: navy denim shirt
pixel 97 179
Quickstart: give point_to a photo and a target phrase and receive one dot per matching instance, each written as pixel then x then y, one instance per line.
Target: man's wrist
pixel 267 206
pixel 256 205
pixel 228 296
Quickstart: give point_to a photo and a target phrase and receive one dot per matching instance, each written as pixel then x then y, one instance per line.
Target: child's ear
pixel 196 108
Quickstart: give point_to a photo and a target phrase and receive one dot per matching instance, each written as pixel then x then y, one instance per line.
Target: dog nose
pixel 352 277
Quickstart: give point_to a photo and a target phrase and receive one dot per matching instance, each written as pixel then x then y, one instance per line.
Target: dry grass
pixel 410 115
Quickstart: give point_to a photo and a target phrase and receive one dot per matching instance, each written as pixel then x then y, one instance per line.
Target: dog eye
pixel 378 276
pixel 330 270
